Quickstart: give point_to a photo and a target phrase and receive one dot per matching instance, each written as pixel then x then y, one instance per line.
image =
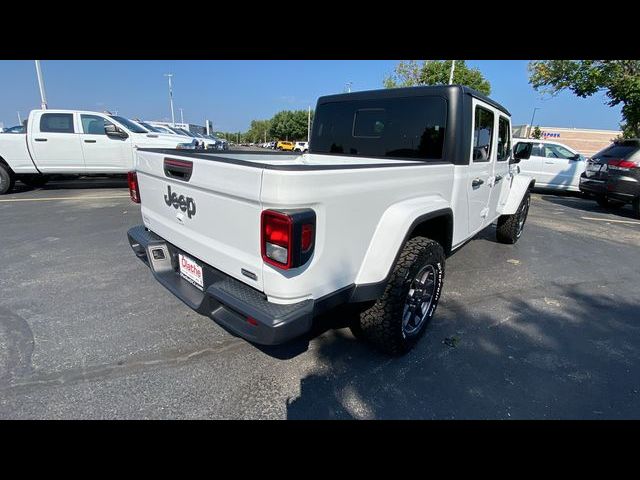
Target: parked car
pixel 74 142
pixel 284 145
pixel 162 128
pixel 552 164
pixel 301 147
pixel 613 175
pixel 16 129
pixel 394 182
pixel 158 132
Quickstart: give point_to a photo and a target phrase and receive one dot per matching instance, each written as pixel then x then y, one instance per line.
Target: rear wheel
pixel 399 318
pixel 510 227
pixel 7 179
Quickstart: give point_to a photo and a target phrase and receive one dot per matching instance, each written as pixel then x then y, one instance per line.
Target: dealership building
pixel 584 140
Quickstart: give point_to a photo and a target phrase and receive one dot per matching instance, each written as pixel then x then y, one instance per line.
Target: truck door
pixel 500 186
pixel 480 174
pixel 562 167
pixel 103 153
pixel 55 143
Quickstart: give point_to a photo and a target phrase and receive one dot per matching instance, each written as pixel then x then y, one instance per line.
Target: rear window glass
pixel 621 151
pixel 410 127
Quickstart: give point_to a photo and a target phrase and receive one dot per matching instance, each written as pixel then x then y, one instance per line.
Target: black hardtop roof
pixel 444 90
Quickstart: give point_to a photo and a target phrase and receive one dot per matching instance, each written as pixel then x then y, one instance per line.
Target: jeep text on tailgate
pixel 393 182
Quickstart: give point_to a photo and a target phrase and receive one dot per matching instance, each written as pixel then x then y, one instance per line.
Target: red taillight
pixel 622 164
pixel 287 239
pixel 307 237
pixel 277 231
pixel 134 189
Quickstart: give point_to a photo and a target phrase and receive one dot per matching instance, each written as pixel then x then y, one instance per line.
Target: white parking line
pixel 610 220
pixel 61 198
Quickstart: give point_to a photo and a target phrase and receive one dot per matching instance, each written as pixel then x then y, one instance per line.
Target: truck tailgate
pixel 213 214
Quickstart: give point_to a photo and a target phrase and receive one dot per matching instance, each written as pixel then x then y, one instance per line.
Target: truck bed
pixel 284 160
pixel 230 190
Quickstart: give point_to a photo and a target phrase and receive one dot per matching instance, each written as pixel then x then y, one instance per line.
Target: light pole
pixel 532 117
pixel 309 124
pixel 173 118
pixel 19 119
pixel 453 67
pixel 43 96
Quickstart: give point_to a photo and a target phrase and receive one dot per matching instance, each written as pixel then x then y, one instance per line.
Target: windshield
pixel 150 128
pixel 178 131
pixel 132 127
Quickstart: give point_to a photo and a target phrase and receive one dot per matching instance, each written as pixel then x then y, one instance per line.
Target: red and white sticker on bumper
pixel 191 271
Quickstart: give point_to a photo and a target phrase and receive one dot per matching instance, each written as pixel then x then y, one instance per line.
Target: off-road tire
pixel 34 181
pixel 7 179
pixel 509 229
pixel 381 324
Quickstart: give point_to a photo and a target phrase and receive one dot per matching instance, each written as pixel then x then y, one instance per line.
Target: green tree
pixel 289 125
pixel 618 79
pixel 258 130
pixel 436 72
pixel 537 133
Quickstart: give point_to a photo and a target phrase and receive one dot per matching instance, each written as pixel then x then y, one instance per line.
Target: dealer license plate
pixel 190 271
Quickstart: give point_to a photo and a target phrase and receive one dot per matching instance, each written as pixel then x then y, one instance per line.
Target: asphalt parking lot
pixel 548 328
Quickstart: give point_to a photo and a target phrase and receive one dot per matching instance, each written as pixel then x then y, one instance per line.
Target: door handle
pixel 549 163
pixel 477 182
pixel 40 139
pixel 89 141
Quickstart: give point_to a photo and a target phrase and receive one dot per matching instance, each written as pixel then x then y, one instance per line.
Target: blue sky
pixel 232 93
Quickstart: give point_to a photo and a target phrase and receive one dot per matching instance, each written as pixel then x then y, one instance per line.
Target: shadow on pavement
pixel 589 205
pixel 538 361
pixel 67 182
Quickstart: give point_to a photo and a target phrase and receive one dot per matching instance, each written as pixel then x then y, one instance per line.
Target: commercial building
pixel 584 140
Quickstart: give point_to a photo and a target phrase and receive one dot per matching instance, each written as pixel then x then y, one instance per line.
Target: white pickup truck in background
pixel 75 142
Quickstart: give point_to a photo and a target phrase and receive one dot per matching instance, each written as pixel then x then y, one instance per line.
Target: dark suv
pixel 613 175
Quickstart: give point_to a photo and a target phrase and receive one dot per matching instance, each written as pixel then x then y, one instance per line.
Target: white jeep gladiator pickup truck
pixel 75 142
pixel 394 181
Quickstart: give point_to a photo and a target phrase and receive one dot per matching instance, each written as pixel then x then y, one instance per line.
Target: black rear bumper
pixel 625 188
pixel 236 306
pixel 593 187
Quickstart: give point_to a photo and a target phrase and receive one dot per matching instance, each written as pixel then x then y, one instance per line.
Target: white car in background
pixel 552 164
pixel 301 147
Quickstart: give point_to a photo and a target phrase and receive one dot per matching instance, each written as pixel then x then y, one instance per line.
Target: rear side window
pixel 56 122
pixel 409 127
pixel 482 135
pixel 504 139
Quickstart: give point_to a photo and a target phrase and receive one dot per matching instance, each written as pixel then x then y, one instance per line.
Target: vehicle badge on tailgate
pixel 186 204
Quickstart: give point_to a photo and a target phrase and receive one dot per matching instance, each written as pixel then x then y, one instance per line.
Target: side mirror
pixel 521 152
pixel 113 131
